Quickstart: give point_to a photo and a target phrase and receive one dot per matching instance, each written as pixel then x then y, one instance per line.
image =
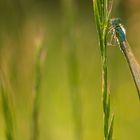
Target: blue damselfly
pixel 119 36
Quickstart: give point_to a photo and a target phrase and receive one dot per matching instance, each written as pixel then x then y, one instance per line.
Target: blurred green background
pixel 71 68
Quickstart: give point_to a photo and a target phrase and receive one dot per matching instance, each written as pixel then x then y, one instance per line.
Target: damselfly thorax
pixel 118 33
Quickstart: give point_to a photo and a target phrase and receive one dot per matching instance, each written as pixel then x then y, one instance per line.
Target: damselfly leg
pixel 113 38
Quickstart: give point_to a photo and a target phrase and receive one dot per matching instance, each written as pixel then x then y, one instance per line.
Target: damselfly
pixel 119 35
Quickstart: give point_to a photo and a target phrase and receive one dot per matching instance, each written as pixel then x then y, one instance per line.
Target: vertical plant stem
pixel 69 19
pixel 101 12
pixel 8 115
pixel 74 93
pixel 37 96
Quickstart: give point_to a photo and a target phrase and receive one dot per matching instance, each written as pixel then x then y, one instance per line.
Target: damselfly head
pixel 115 21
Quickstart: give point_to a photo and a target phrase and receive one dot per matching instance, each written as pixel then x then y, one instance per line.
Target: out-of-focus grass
pixel 56 121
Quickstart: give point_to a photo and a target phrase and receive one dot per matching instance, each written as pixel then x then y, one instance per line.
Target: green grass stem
pixel 37 96
pixel 7 112
pixel 69 33
pixel 102 17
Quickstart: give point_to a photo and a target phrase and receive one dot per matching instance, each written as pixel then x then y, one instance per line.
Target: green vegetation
pixel 51 69
pixel 102 16
pixel 69 23
pixel 37 94
pixel 7 112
